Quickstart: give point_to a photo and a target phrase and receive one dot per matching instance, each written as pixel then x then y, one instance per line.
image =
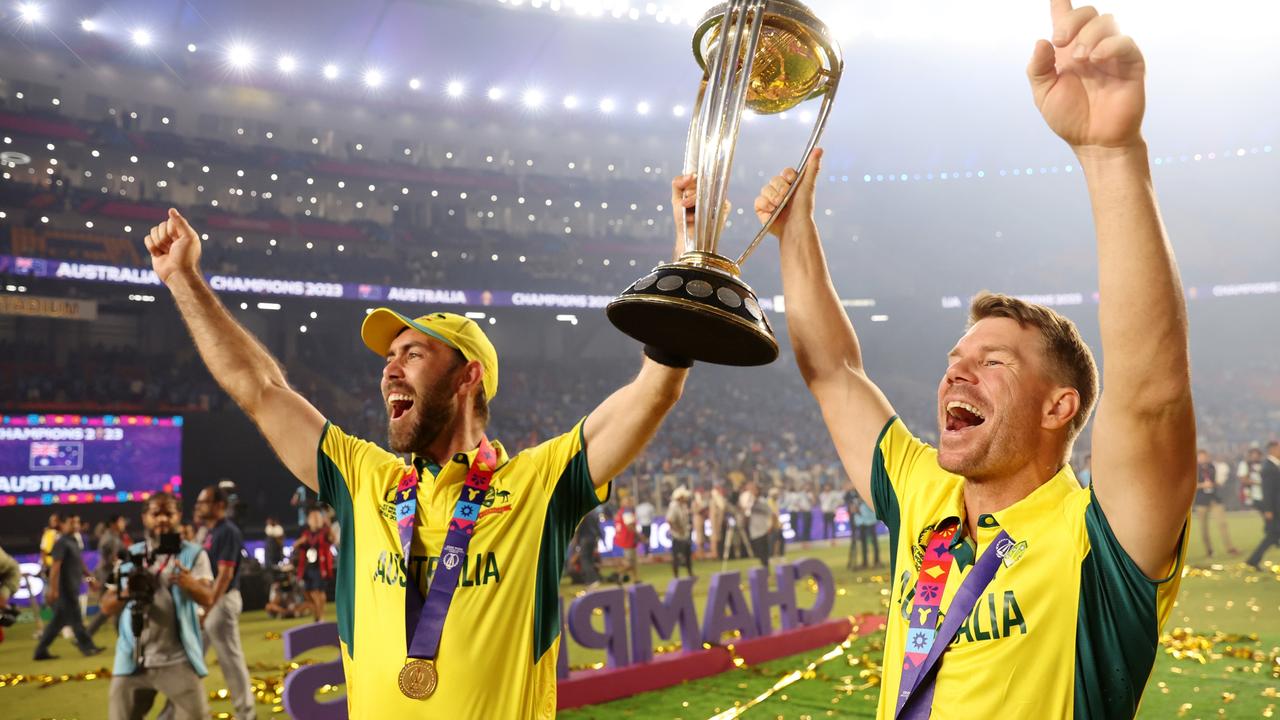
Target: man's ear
pixel 1061 408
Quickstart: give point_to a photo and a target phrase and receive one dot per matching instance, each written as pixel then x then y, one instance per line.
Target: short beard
pixel 436 411
pixel 998 456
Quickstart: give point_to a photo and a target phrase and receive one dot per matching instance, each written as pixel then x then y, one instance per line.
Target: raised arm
pixel 240 364
pixel 1089 85
pixel 620 427
pixel 822 336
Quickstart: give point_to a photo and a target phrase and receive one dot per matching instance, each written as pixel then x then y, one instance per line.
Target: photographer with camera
pixel 160 587
pixel 66 572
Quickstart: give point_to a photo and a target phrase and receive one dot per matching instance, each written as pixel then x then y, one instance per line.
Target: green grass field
pixel 1225 667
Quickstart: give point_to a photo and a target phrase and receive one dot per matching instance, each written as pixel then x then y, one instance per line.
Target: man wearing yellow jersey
pixel 1015 593
pixel 495 654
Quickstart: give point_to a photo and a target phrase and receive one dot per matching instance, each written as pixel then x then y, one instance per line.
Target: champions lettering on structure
pixel 628 618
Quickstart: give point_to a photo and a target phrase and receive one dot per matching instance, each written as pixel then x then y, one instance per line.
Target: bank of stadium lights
pixel 331 71
pixel 89 25
pixel 607 105
pixel 373 78
pixel 286 64
pixel 571 102
pixel 141 37
pixel 455 89
pixel 495 93
pixel 642 108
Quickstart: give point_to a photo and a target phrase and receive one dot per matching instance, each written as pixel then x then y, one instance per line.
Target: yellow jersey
pixel 1068 627
pixel 500 640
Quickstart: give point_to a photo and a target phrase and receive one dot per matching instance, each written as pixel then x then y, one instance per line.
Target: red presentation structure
pixel 590 687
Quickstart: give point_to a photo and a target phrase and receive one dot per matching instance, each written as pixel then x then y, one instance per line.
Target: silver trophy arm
pixel 823 114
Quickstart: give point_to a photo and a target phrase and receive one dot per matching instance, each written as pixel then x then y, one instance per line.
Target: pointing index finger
pixel 1058 8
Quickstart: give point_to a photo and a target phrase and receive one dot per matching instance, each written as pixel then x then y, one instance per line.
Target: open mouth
pixel 962 415
pixel 398 404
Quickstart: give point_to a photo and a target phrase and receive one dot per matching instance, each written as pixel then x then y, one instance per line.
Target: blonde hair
pixel 1070 361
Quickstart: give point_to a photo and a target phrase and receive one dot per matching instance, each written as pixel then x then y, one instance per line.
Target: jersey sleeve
pixel 566 478
pixel 222 550
pixel 1121 615
pixel 343 463
pixel 896 456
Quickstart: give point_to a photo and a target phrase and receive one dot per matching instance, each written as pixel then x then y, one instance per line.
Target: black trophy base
pixel 700 313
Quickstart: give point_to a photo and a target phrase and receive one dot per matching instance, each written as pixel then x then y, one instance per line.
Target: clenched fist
pixel 800 208
pixel 174 247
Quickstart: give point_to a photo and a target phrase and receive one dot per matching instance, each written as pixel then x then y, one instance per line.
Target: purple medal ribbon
pixel 915 690
pixel 424 619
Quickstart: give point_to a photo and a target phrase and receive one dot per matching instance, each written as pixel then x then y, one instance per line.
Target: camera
pixel 139 585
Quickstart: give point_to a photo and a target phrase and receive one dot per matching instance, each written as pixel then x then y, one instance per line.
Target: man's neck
pixel 463 437
pixel 989 496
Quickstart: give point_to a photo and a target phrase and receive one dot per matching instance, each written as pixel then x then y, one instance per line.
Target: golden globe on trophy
pixel 767 56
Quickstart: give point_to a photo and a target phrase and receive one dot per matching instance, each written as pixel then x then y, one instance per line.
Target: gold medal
pixel 418 679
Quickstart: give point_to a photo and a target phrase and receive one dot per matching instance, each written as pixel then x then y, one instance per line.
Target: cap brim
pixel 382 326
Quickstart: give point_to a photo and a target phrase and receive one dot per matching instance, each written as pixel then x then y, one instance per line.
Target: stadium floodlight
pixel 286 64
pixel 191 47
pixel 533 98
pixel 571 102
pixel 373 78
pixel 240 56
pixel 31 13
pixel 495 93
pixel 331 71
pixel 141 37
pixel 455 89
pixel 642 108
pixel 415 84
pixel 678 111
pixel 89 25
pixel 607 105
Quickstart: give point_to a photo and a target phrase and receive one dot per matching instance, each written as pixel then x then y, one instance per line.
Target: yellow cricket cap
pixel 460 333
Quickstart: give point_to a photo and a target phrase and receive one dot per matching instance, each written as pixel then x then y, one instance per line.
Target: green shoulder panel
pixel 573 497
pixel 335 491
pixel 884 500
pixel 1117 626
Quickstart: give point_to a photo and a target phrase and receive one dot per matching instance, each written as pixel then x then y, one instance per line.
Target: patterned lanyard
pixel 925 641
pixel 424 620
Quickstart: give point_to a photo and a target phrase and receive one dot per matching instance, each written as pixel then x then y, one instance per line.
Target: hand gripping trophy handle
pixel 766 55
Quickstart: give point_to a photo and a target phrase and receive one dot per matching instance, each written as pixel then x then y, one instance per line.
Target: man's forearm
pixel 1142 313
pixel 821 333
pixel 240 364
pixel 201 592
pixel 221 583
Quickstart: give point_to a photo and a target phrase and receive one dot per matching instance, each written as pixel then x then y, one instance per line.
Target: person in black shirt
pixel 63 593
pixel 224 544
pixel 1208 504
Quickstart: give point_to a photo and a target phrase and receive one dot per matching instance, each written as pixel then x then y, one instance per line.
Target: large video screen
pixel 55 459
